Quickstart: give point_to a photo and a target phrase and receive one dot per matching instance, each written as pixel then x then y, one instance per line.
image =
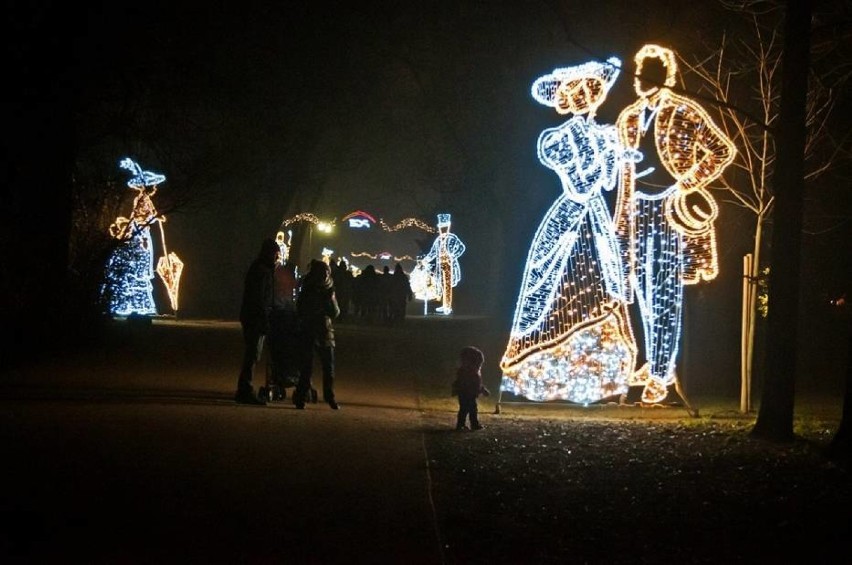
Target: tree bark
pixel 36 195
pixel 840 448
pixel 775 417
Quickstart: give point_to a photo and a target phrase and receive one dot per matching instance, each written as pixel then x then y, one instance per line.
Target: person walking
pixel 254 316
pixel 317 308
pixel 468 387
pixel 343 282
pixel 400 295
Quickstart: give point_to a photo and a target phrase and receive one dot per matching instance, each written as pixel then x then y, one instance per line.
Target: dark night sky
pixel 257 111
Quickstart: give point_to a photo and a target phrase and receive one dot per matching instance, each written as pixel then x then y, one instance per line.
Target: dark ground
pixel 126 457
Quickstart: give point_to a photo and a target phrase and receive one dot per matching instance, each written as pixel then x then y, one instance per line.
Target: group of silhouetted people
pixel 372 297
pixel 296 316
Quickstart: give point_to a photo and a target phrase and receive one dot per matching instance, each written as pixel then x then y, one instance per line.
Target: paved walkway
pixel 127 458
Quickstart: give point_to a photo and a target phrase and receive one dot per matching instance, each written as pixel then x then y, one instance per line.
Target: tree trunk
pixel 37 172
pixel 775 418
pixel 840 448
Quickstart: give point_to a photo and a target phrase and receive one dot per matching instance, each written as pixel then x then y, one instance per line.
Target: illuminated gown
pixel 570 338
pixel 130 271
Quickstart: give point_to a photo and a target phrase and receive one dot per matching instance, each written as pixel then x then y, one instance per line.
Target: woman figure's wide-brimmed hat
pixel 140 178
pixel 544 88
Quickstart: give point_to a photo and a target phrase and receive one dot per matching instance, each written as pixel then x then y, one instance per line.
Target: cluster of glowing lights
pixel 130 269
pixel 303 217
pixel 382 256
pixel 284 241
pixel 359 219
pixel 423 284
pixel 407 223
pixel 571 336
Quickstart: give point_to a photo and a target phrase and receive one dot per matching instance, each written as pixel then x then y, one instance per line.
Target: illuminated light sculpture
pixel 668 235
pixel 359 220
pixel 444 258
pixel 170 268
pixel 423 283
pixel 385 256
pixel 130 269
pixel 571 337
pixel 284 242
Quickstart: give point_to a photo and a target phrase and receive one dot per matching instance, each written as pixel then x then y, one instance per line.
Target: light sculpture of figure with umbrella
pixel 130 269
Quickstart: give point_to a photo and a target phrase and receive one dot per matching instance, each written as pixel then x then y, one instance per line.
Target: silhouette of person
pixel 400 294
pixel 468 386
pixel 255 310
pixel 385 289
pixel 665 221
pixel 367 285
pixel 317 308
pixel 284 326
pixel 343 283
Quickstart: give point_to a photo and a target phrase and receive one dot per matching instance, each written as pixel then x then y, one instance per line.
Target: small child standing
pixel 468 386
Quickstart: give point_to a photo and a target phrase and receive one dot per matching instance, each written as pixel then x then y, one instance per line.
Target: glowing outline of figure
pixel 138 251
pixel 445 253
pixel 571 342
pixel 666 241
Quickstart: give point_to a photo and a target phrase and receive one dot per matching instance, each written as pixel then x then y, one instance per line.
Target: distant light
pixel 359 223
pixel 359 215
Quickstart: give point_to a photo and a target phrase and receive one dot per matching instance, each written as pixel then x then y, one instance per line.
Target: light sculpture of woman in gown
pixel 130 269
pixel 571 338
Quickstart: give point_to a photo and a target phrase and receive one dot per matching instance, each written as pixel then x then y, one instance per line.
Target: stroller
pixel 282 368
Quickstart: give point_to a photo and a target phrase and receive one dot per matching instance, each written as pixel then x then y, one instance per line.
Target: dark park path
pixel 136 453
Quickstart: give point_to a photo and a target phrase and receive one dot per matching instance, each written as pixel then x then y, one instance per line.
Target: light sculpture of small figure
pixel 423 284
pixel 444 258
pixel 284 242
pixel 666 224
pixel 570 337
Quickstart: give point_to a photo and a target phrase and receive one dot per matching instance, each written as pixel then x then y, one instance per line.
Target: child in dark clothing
pixel 468 386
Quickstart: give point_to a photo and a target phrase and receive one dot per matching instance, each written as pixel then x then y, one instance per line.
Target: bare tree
pixel 750 117
pixel 775 418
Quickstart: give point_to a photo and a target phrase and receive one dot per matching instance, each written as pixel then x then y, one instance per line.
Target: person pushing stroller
pixel 283 370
